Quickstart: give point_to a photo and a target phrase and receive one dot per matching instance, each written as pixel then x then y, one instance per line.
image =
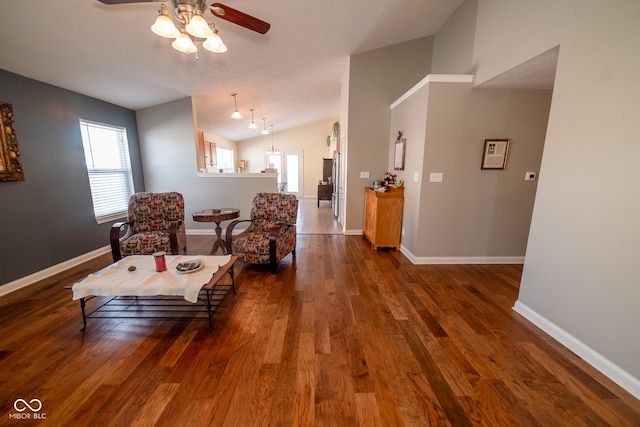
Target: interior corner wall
pixel 376 79
pixel 475 213
pixel 410 117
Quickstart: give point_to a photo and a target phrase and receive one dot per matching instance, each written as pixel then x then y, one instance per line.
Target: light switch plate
pixel 416 176
pixel 435 177
pixel 364 174
pixel 529 176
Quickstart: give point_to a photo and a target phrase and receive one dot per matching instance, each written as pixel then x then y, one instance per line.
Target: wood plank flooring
pixel 342 336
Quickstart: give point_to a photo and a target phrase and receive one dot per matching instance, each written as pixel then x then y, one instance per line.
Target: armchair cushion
pixel 155 223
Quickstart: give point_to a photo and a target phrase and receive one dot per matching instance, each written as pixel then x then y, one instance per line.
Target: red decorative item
pixel 161 261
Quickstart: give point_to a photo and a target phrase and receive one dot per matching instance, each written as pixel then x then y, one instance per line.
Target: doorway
pixel 289 165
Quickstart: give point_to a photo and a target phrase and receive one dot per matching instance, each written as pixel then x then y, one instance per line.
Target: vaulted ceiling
pixel 291 75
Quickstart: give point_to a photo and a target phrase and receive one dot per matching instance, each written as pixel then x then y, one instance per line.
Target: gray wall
pixel 48 218
pixel 474 212
pixel 168 147
pixel 376 79
pixel 581 278
pixel 453 43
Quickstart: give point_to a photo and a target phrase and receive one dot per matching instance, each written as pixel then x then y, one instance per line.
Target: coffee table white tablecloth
pixel 117 280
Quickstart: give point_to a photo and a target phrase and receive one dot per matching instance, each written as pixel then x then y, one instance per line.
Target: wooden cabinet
pixel 327 170
pixel 383 217
pixel 324 192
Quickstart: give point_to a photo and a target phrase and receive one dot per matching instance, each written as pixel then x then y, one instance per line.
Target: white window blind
pixel 106 152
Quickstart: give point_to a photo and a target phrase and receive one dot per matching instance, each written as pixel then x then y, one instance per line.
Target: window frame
pixel 102 186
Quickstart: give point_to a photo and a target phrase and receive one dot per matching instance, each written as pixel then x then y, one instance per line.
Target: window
pixel 106 152
pixel 225 159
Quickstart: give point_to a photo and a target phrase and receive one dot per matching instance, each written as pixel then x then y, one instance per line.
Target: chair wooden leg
pixel 273 259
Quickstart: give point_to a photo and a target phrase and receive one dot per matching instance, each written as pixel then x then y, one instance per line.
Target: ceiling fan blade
pixel 232 15
pixel 127 1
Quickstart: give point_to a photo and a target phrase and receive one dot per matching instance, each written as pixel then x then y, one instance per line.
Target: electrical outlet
pixel 403 231
pixel 529 176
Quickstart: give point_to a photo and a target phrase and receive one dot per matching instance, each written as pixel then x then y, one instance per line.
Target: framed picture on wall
pixel 495 154
pixel 401 145
pixel 10 167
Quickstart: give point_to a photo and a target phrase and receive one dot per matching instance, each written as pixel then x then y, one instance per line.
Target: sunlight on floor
pixel 316 220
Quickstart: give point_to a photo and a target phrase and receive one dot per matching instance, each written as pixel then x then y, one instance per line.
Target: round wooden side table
pixel 217 216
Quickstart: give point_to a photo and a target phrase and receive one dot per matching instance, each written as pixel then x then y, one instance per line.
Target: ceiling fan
pixel 188 8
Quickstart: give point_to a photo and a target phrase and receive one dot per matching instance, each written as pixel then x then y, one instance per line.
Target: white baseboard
pixel 353 232
pixel 201 232
pixel 592 357
pixel 50 271
pixel 461 260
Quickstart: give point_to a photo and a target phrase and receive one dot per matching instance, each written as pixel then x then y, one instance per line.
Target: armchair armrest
pixel 114 238
pixel 229 233
pixel 174 230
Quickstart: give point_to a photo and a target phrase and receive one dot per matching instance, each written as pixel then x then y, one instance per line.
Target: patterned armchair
pixel 272 233
pixel 155 223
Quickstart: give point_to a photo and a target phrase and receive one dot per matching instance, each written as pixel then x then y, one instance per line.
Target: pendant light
pixel 236 114
pixel 272 150
pixel 252 125
pixel 264 130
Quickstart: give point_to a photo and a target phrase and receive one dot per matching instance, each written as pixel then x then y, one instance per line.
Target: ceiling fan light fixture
pixel 184 44
pixel 214 43
pixel 198 27
pixel 236 114
pixel 164 27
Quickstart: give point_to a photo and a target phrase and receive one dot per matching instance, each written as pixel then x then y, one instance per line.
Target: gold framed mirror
pixel 10 167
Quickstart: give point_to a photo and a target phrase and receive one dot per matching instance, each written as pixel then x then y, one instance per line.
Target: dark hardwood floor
pixel 342 336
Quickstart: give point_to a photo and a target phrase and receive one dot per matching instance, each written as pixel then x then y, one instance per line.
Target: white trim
pixel 433 78
pixel 461 260
pixel 50 271
pixel 592 357
pixel 236 175
pixel 353 232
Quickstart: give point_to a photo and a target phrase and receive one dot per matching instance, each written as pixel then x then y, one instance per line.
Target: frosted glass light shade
pixel 164 27
pixel 183 43
pixel 236 115
pixel 214 44
pixel 198 27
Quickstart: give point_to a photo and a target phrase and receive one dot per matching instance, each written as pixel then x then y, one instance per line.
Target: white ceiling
pixel 291 75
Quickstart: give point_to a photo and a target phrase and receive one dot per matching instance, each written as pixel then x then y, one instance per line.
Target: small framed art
pixel 495 154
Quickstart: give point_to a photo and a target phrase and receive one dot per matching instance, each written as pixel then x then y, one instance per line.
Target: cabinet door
pixel 210 159
pixel 370 212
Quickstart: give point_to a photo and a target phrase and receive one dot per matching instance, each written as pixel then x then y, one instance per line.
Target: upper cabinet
pixel 205 153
